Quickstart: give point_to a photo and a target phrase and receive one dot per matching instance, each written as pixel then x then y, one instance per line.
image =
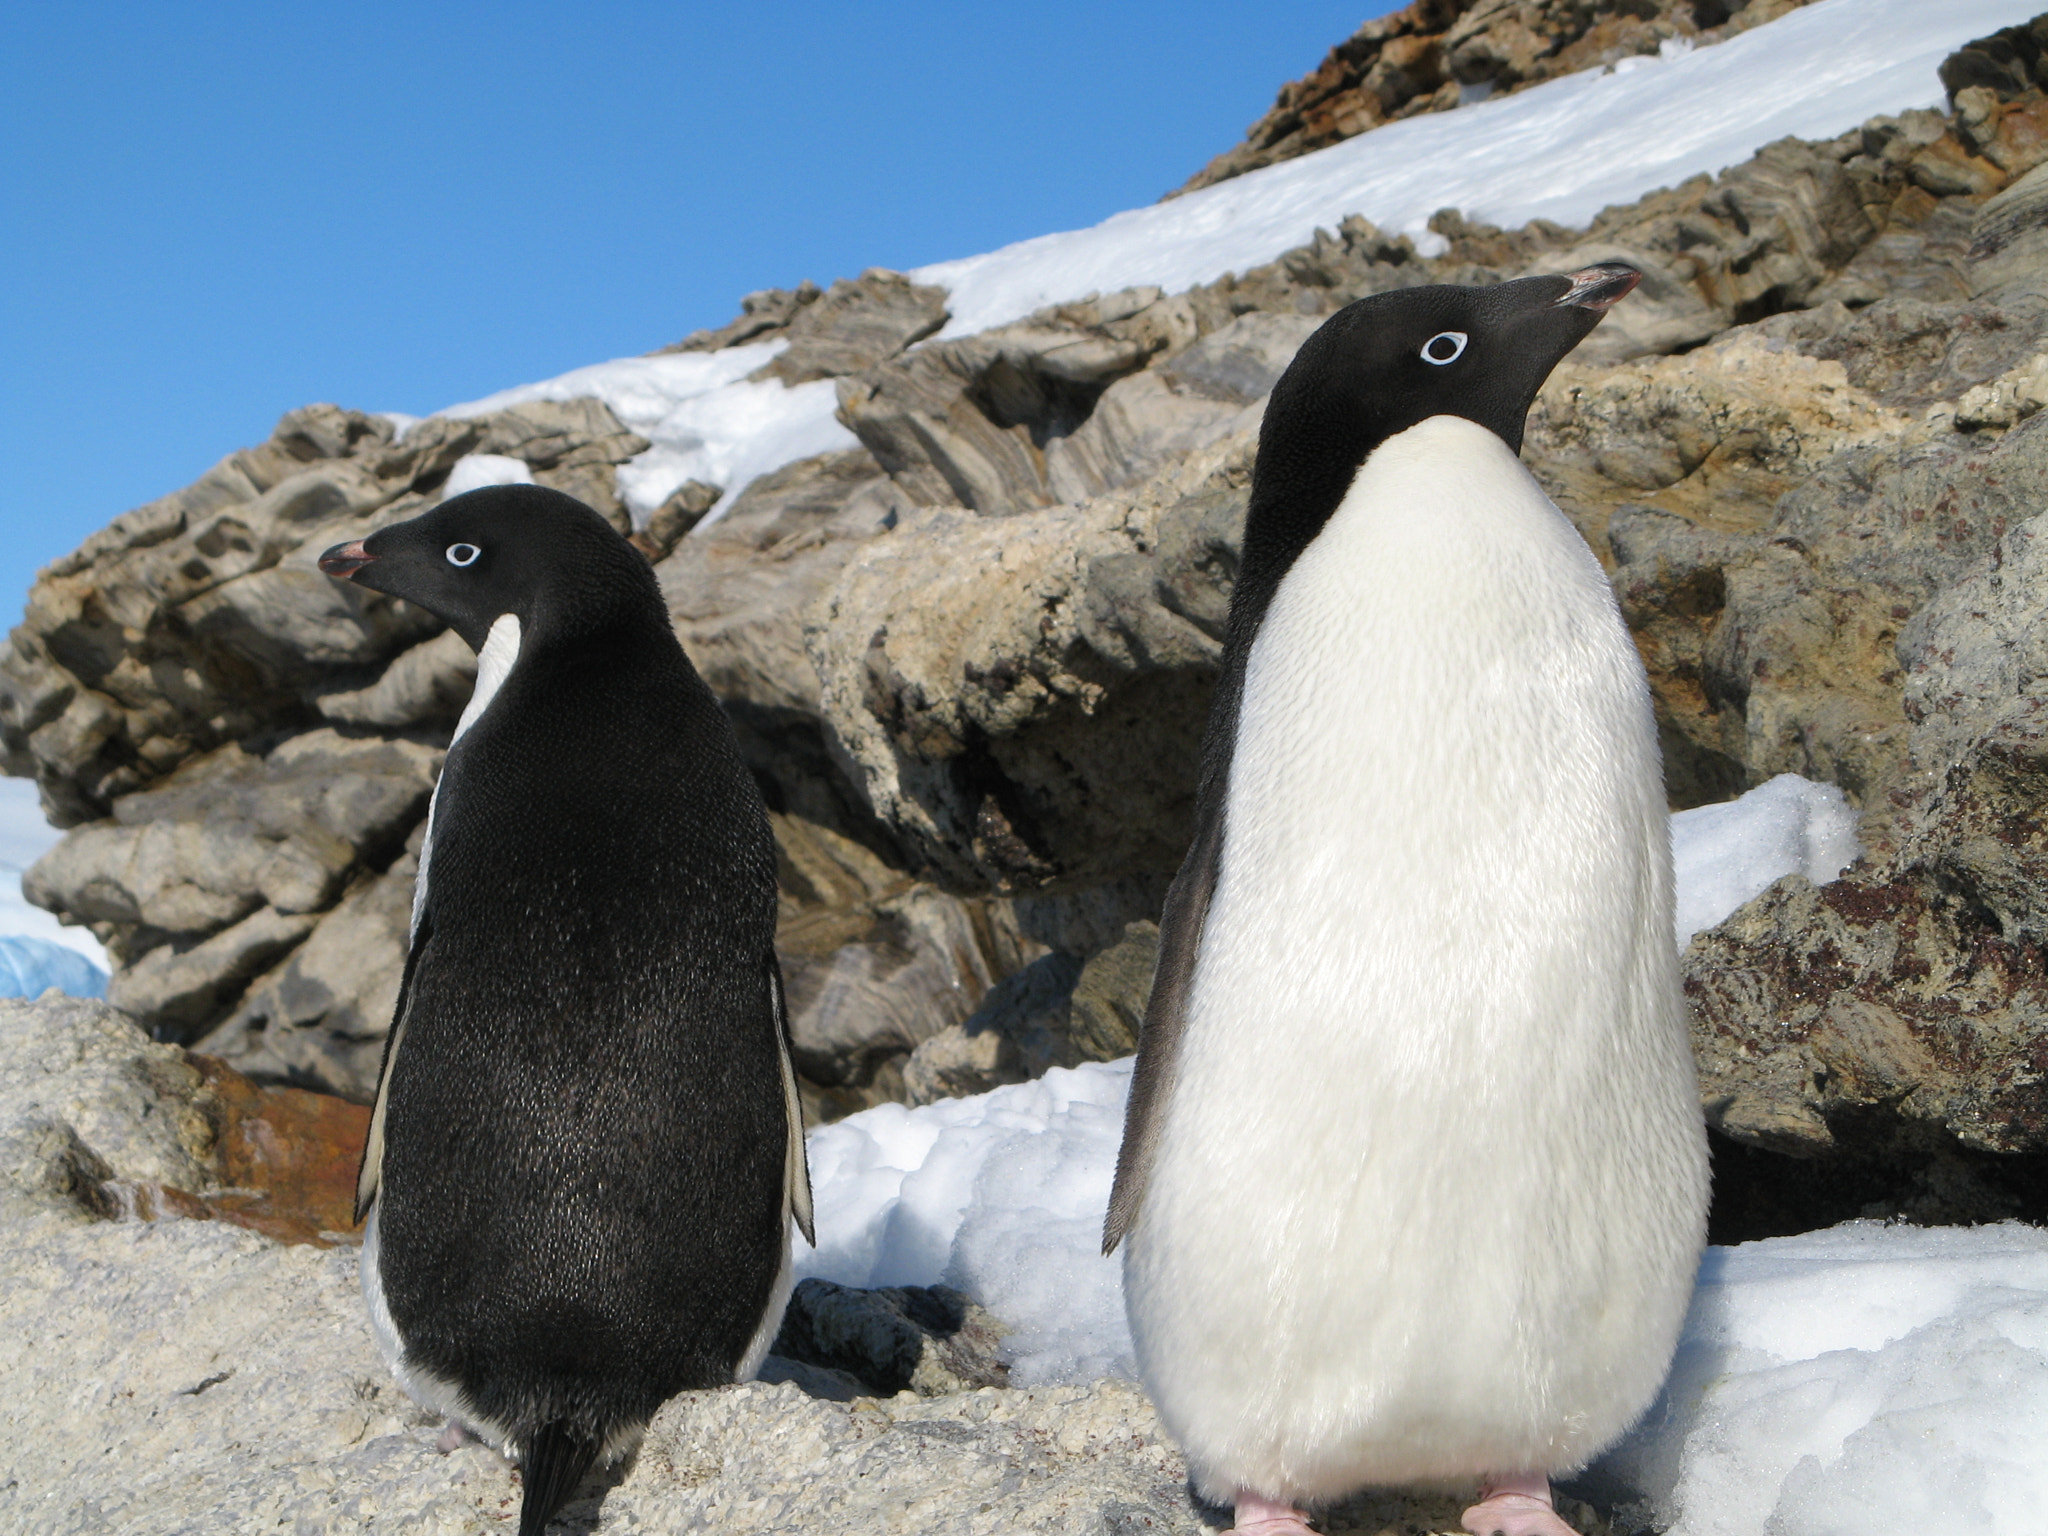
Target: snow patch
pixel 705 420
pixel 1726 854
pixel 474 471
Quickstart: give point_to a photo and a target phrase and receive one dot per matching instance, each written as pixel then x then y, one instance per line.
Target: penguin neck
pixel 494 661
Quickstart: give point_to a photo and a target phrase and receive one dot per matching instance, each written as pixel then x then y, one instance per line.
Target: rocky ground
pixel 969 661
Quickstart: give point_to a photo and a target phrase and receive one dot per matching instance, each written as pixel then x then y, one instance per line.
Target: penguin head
pixel 1392 361
pixel 519 549
pixel 1388 362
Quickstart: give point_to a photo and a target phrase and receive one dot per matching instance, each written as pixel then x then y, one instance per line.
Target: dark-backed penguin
pixel 586 1152
pixel 1413 1182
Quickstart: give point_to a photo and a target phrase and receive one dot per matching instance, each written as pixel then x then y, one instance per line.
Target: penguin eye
pixel 1444 347
pixel 463 554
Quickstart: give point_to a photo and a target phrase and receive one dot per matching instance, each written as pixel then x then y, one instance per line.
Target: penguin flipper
pixel 371 1173
pixel 1180 943
pixel 796 1174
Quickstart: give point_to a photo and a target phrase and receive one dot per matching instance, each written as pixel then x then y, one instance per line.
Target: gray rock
pixel 228 835
pixel 928 1340
pixel 178 988
pixel 427 685
pixel 968 422
pixel 1107 1012
pixel 2009 238
pixel 1019 1031
pixel 85 1099
pixel 319 1020
pixel 854 325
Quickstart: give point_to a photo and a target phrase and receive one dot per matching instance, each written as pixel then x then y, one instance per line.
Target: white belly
pixel 1431 1183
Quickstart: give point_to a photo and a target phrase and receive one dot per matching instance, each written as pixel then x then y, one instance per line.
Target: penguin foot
pixel 453 1438
pixel 1258 1516
pixel 1515 1505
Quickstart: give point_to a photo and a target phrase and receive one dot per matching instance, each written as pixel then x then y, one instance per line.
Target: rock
pixel 739 591
pixel 229 835
pixel 85 1098
pixel 426 686
pixel 180 988
pixel 1900 1013
pixel 928 1340
pixel 320 1019
pixel 763 314
pixel 1019 1031
pixel 1214 388
pixel 1107 1013
pixel 968 422
pixel 1022 714
pixel 853 326
pixel 2009 237
pixel 97 1122
pixel 875 964
pixel 667 523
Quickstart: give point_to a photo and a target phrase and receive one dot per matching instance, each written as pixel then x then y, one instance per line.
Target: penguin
pixel 1413 1181
pixel 586 1153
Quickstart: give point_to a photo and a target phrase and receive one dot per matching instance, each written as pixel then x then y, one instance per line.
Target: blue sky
pixel 211 214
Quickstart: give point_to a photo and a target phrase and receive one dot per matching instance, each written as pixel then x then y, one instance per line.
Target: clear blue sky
pixel 211 214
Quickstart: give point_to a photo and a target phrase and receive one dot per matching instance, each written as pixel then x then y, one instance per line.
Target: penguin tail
pixel 552 1461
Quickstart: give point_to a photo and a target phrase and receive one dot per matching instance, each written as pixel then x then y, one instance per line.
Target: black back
pixel 581 1202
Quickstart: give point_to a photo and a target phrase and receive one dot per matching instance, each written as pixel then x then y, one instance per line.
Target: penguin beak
pixel 344 560
pixel 1599 288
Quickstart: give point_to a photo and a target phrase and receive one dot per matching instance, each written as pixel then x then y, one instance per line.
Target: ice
pixel 474 471
pixel 30 967
pixel 1725 854
pixel 37 951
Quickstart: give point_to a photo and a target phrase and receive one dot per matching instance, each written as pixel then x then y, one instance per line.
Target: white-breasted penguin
pixel 586 1153
pixel 1414 1181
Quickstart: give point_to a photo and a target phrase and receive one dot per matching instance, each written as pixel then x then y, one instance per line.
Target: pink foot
pixel 1257 1516
pixel 453 1438
pixel 1517 1504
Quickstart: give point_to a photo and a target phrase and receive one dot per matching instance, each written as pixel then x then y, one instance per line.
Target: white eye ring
pixel 463 554
pixel 1431 351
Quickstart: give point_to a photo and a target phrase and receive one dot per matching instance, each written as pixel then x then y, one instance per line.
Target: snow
pixel 1886 1381
pixel 705 420
pixel 37 951
pixel 1562 151
pixel 1725 854
pixel 474 471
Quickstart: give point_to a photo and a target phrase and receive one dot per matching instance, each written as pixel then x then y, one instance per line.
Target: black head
pixel 1391 361
pixel 518 549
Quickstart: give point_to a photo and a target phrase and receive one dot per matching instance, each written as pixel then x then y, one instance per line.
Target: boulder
pixel 320 1018
pixel 228 836
pixel 969 422
pixel 1021 704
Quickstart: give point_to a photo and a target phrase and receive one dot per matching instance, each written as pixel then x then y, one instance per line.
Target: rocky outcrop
pixel 1434 55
